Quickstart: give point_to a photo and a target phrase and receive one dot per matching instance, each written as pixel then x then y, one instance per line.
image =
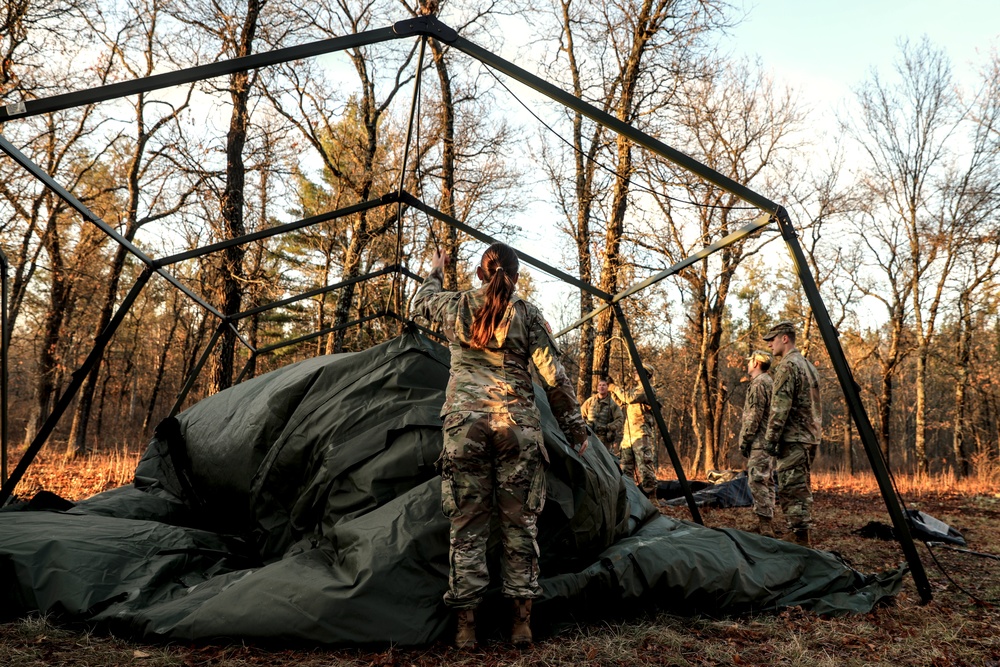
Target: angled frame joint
pixel 425 25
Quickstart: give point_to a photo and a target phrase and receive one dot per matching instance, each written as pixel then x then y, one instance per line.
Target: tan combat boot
pixel 765 526
pixel 801 537
pixel 520 633
pixel 465 635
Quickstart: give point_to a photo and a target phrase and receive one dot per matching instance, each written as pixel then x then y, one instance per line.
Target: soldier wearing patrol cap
pixel 760 466
pixel 794 427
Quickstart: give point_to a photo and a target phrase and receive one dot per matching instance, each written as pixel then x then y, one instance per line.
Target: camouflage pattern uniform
pixel 493 452
pixel 793 432
pixel 605 417
pixel 760 466
pixel 638 440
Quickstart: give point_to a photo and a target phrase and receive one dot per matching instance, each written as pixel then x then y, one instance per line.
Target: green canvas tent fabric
pixel 304 506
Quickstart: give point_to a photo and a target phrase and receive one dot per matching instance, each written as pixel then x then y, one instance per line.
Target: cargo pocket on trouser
pixel 449 504
pixel 453 427
pixel 535 499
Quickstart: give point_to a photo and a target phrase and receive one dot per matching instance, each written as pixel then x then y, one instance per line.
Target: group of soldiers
pixel 603 413
pixel 780 431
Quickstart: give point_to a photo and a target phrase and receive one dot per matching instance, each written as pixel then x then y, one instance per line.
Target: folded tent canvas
pixel 304 505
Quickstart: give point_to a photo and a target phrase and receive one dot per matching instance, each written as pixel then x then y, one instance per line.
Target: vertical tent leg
pixel 197 369
pixel 4 348
pixel 70 393
pixel 852 396
pixel 246 367
pixel 633 352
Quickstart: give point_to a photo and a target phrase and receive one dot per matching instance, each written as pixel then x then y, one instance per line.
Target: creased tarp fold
pixel 304 505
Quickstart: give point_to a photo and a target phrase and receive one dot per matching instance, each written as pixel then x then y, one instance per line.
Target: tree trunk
pixel 848 444
pixel 231 290
pixel 447 162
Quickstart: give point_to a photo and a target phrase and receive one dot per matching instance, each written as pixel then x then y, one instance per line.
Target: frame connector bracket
pixel 425 25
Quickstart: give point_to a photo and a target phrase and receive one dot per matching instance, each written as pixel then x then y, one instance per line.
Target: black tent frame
pixel 428 27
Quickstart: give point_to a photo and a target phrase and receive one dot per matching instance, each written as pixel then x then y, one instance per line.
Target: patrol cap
pixel 760 357
pixel 783 327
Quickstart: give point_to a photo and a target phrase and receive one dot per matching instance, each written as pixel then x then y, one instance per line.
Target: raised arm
pixel 430 298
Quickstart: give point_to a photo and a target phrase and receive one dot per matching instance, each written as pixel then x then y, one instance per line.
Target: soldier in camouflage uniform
pixel 760 466
pixel 493 454
pixel 638 440
pixel 603 415
pixel 794 427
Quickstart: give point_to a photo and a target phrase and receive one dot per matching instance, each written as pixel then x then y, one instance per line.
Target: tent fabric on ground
pixel 731 493
pixel 304 506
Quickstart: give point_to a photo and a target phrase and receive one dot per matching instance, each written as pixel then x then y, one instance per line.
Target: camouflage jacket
pixel 638 412
pixel 497 379
pixel 796 412
pixel 604 416
pixel 755 412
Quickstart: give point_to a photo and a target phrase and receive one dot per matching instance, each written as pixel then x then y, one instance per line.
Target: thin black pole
pixel 647 386
pixel 395 288
pixel 609 121
pixel 410 200
pixel 279 229
pixel 409 322
pixel 321 332
pixel 730 239
pixel 193 375
pixel 69 394
pixel 4 349
pixel 78 206
pixel 246 367
pixel 312 293
pixel 192 74
pixel 852 395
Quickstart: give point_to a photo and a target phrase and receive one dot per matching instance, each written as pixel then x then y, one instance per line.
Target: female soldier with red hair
pixel 493 454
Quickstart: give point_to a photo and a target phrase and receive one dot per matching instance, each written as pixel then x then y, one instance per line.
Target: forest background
pixel 900 219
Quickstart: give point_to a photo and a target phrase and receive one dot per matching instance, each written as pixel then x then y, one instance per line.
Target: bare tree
pixel 736 122
pixel 909 129
pixel 150 193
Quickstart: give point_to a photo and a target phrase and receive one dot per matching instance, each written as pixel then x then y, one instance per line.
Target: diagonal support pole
pixel 852 396
pixel 196 371
pixel 647 386
pixel 101 342
pixel 730 239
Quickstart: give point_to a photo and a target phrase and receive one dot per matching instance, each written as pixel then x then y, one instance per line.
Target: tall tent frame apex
pixel 430 27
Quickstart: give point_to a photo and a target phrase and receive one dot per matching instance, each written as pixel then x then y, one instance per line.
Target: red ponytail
pixel 500 265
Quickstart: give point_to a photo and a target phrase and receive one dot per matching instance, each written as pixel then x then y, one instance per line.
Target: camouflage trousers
pixel 609 438
pixel 760 479
pixel 794 491
pixel 637 462
pixel 490 461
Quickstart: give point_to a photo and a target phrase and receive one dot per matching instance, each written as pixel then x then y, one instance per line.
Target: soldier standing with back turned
pixel 493 458
pixel 760 466
pixel 794 427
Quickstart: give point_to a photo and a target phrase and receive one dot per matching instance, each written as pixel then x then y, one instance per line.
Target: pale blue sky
pixel 826 48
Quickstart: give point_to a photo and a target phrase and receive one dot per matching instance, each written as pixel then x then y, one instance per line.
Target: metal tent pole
pixel 193 375
pixel 647 386
pixel 69 394
pixel 852 396
pixel 4 349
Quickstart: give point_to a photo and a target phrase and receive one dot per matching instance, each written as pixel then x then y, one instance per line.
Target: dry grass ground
pixel 953 629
